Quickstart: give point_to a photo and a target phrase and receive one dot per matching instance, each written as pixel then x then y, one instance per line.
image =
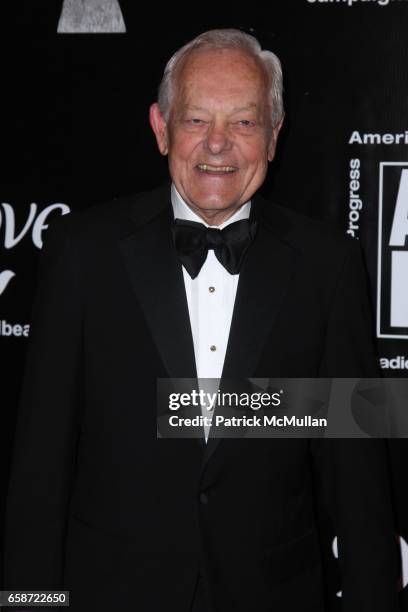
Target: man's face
pixel 219 136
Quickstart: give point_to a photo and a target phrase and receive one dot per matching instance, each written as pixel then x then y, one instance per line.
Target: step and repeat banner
pixel 78 79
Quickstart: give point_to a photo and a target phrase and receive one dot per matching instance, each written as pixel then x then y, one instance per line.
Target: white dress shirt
pixel 210 298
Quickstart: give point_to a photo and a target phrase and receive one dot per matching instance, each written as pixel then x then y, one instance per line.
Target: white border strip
pixel 379 262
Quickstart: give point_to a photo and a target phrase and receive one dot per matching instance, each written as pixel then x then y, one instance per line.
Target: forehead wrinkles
pixel 221 71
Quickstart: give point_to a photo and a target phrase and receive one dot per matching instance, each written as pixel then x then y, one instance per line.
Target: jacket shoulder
pixel 311 236
pixel 114 218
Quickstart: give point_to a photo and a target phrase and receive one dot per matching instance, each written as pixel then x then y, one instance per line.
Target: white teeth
pixel 208 168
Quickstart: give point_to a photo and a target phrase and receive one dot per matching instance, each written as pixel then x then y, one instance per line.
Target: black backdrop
pixel 74 131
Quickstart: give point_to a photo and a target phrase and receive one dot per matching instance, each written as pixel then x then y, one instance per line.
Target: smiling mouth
pixel 216 169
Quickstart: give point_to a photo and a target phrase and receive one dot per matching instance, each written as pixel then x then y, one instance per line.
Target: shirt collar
pixel 182 211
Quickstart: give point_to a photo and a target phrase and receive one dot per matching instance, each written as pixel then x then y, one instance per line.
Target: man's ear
pixel 274 139
pixel 159 128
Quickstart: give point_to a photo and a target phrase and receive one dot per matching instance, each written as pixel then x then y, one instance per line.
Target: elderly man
pixel 199 278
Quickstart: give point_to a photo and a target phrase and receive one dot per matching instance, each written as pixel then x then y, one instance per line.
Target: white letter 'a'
pixel 91 17
pixel 399 231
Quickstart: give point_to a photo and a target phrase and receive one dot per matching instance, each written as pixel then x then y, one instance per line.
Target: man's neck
pixel 213 218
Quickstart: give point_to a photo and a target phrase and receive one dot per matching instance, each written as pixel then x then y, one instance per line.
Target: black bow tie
pixel 193 240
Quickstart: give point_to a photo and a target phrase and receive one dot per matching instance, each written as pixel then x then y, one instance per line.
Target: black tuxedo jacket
pixel 98 505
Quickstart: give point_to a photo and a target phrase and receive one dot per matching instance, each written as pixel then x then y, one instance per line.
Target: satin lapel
pixel 157 280
pixel 264 280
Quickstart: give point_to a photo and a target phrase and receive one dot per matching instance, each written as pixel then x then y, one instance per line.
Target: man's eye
pixel 245 122
pixel 195 121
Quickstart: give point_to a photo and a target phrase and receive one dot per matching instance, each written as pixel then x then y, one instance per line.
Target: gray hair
pixel 229 38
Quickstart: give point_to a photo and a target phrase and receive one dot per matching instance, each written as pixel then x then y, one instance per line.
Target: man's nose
pixel 217 138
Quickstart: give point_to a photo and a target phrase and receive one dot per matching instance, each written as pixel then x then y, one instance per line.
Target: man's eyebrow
pixel 237 109
pixel 192 107
pixel 250 106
